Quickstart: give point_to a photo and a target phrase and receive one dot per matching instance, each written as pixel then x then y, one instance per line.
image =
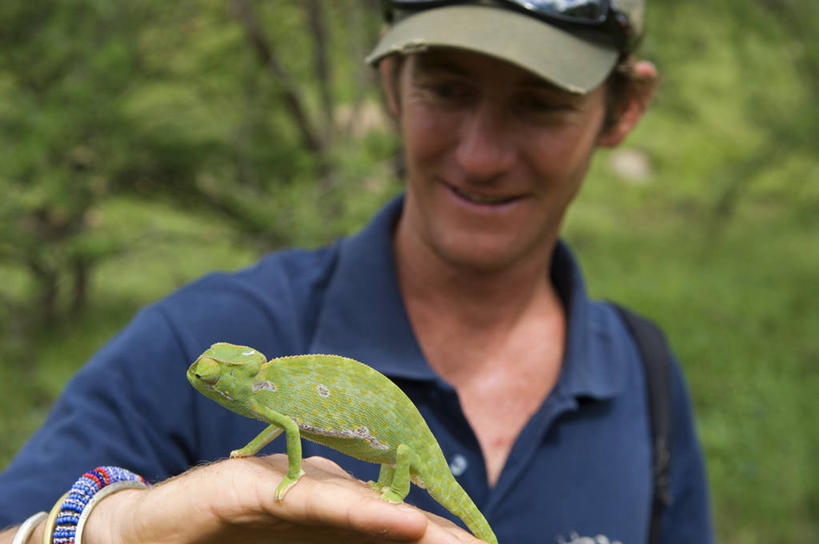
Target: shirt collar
pixel 591 368
pixel 363 295
pixel 363 298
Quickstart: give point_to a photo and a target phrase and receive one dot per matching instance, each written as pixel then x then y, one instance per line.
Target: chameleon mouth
pixel 220 393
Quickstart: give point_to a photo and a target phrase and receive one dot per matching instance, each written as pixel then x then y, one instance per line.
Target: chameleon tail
pixel 452 496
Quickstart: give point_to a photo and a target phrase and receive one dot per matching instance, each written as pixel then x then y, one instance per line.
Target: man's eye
pixel 538 104
pixel 448 90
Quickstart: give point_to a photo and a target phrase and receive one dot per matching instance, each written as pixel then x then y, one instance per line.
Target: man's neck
pixel 445 300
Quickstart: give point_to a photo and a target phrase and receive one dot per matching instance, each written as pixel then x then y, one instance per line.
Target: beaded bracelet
pixel 68 517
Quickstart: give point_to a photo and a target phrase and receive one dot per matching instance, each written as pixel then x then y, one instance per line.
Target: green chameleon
pixel 340 403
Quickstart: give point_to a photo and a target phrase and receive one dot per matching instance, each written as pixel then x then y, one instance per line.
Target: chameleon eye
pixel 207 370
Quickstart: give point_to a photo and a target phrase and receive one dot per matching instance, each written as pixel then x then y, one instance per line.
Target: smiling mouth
pixel 482 199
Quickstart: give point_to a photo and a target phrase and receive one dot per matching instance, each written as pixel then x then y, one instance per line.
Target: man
pixel 460 291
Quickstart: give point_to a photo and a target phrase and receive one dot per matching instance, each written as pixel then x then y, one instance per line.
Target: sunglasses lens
pixel 410 4
pixel 570 10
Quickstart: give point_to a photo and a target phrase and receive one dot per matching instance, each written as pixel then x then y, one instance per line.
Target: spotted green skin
pixel 340 403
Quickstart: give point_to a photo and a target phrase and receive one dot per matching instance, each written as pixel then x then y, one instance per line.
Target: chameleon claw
pixel 285 485
pixel 239 454
pixel 391 497
pixel 376 487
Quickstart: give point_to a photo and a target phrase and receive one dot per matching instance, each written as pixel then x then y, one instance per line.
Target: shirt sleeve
pixel 129 406
pixel 688 518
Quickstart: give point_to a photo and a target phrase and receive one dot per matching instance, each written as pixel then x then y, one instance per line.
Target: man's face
pixel 494 155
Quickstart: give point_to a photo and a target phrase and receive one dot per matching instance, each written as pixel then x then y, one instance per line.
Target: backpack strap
pixel 656 357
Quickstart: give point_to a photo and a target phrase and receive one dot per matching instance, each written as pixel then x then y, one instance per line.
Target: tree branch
pixel 321 64
pixel 243 10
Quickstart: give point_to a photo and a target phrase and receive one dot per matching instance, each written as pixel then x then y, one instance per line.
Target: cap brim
pixel 563 59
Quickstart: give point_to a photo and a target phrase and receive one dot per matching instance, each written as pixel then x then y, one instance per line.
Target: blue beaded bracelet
pixel 83 496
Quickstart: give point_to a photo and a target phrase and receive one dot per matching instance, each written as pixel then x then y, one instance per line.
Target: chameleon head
pixel 224 372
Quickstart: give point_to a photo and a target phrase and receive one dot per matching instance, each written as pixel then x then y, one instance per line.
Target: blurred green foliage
pixel 145 143
pixel 179 103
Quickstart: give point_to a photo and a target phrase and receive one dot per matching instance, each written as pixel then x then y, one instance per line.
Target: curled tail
pixel 448 492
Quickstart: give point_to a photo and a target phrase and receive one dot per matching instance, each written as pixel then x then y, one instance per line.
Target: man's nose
pixel 485 149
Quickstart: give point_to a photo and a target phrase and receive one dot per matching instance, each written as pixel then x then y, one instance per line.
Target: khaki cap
pixel 564 59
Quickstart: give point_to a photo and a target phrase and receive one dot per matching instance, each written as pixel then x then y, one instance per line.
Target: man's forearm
pixel 36 536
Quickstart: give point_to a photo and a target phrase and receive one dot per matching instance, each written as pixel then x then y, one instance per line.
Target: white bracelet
pixel 24 532
pixel 101 494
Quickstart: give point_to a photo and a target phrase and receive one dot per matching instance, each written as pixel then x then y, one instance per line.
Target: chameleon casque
pixel 343 404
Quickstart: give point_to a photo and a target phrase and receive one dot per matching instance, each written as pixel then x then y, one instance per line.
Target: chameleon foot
pixel 391 497
pixel 286 483
pixel 239 454
pixel 375 486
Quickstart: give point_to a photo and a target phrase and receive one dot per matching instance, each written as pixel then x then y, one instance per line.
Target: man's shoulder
pixel 289 271
pixel 275 300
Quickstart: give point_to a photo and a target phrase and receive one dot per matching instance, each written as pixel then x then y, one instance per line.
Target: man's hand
pixel 233 501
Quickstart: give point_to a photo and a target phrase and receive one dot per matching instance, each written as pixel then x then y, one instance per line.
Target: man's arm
pixel 233 500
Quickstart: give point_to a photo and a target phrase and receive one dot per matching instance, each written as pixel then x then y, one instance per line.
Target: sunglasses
pixel 597 17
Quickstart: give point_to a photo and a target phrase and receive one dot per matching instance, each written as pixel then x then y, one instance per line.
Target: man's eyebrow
pixel 434 63
pixel 535 83
pixel 426 63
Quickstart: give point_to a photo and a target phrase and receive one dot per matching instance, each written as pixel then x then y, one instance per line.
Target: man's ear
pixel 635 105
pixel 389 82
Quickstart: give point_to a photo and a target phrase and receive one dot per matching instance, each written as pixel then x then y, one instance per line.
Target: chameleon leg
pixel 294 471
pixel 405 457
pixel 262 439
pixel 385 476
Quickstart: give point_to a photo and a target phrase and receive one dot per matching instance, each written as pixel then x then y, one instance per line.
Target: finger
pixel 326 495
pixel 327 471
pixel 441 529
pixel 325 465
pixel 357 498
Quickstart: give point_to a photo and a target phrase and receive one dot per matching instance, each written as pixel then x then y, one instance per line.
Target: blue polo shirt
pixel 581 467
